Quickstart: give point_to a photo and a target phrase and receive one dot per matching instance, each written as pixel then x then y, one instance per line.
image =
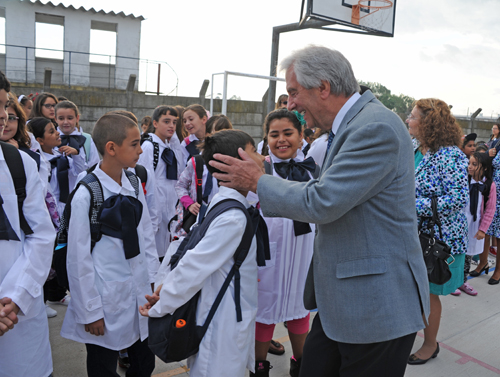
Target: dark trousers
pixel 102 362
pixel 329 358
pixel 52 291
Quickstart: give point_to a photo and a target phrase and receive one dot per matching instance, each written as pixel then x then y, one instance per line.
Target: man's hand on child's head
pixel 96 328
pixel 8 315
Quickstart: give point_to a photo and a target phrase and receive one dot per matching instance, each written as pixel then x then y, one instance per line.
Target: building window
pixel 103 42
pixel 49 36
pixel 2 30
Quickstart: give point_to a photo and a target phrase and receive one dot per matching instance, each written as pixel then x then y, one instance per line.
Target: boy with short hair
pixel 108 281
pixel 163 155
pixel 26 254
pixel 227 349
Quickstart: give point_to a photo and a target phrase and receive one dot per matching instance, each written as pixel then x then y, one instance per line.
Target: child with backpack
pixel 227 348
pixel 67 117
pixel 162 153
pixel 26 243
pixel 111 255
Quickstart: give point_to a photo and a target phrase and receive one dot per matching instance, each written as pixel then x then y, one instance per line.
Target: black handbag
pixel 436 252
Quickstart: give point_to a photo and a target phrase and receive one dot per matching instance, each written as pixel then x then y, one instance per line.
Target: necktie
pixel 168 156
pixel 297 171
pixel 192 148
pixel 74 141
pixel 62 165
pixel 119 217
pixel 331 135
pixel 261 236
pixel 475 189
pixel 6 231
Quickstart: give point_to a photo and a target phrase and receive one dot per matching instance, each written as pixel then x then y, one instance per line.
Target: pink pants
pixel 264 333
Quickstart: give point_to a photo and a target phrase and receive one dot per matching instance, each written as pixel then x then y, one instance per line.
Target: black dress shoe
pixel 493 281
pixel 414 360
pixel 486 269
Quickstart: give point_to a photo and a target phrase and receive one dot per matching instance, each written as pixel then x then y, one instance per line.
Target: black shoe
pixel 414 360
pixel 262 368
pixel 123 362
pixel 295 366
pixel 486 269
pixel 276 348
pixel 493 281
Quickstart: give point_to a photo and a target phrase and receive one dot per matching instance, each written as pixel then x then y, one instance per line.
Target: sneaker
pixel 51 313
pixel 456 293
pixel 468 289
pixel 493 251
pixel 64 301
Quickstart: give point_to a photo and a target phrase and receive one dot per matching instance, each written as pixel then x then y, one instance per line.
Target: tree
pixel 401 104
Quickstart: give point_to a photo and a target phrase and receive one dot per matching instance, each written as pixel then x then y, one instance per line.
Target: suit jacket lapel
pixel 366 97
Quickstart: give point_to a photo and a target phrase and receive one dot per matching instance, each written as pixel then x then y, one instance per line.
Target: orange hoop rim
pixel 388 3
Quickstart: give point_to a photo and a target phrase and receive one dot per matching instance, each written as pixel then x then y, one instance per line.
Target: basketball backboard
pixel 374 17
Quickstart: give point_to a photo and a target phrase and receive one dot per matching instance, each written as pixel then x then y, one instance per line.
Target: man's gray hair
pixel 314 64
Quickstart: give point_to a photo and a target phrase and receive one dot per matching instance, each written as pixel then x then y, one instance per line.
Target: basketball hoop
pixel 376 9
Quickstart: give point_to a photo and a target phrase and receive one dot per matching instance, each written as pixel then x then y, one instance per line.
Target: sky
pixel 446 49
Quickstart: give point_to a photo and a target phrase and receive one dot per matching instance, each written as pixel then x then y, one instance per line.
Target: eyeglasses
pixel 284 102
pixel 12 118
pixel 49 105
pixel 411 117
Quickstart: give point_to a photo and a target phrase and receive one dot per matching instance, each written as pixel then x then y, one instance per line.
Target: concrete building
pixel 74 67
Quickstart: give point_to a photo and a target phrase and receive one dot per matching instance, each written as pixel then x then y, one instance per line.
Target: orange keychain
pixel 180 323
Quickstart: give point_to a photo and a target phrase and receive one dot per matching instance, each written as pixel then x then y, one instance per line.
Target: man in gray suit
pixel 367 277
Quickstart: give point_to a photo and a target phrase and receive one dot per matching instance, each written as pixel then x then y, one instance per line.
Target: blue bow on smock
pixel 119 217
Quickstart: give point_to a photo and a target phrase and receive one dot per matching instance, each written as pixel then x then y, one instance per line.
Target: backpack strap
pixel 198 169
pixel 87 145
pixel 141 172
pixel 134 181
pixel 35 156
pixel 16 167
pixel 239 257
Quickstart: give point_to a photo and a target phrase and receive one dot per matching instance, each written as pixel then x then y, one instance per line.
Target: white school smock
pixel 25 350
pixel 318 149
pixel 94 154
pixel 76 166
pixel 166 198
pixel 228 348
pixel 475 246
pixel 150 188
pixel 103 283
pixel 282 279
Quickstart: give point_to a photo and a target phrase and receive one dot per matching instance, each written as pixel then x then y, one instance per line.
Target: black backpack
pixel 91 183
pixel 176 336
pixel 16 167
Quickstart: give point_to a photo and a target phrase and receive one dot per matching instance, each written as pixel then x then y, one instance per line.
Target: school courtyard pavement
pixel 469 340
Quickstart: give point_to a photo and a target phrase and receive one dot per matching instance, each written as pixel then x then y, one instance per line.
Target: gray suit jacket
pixel 367 277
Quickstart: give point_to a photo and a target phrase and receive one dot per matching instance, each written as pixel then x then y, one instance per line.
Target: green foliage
pixel 401 104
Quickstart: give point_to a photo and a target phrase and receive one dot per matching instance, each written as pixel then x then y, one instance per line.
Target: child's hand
pixel 480 235
pixel 96 328
pixel 68 150
pixel 144 310
pixel 8 315
pixel 194 208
